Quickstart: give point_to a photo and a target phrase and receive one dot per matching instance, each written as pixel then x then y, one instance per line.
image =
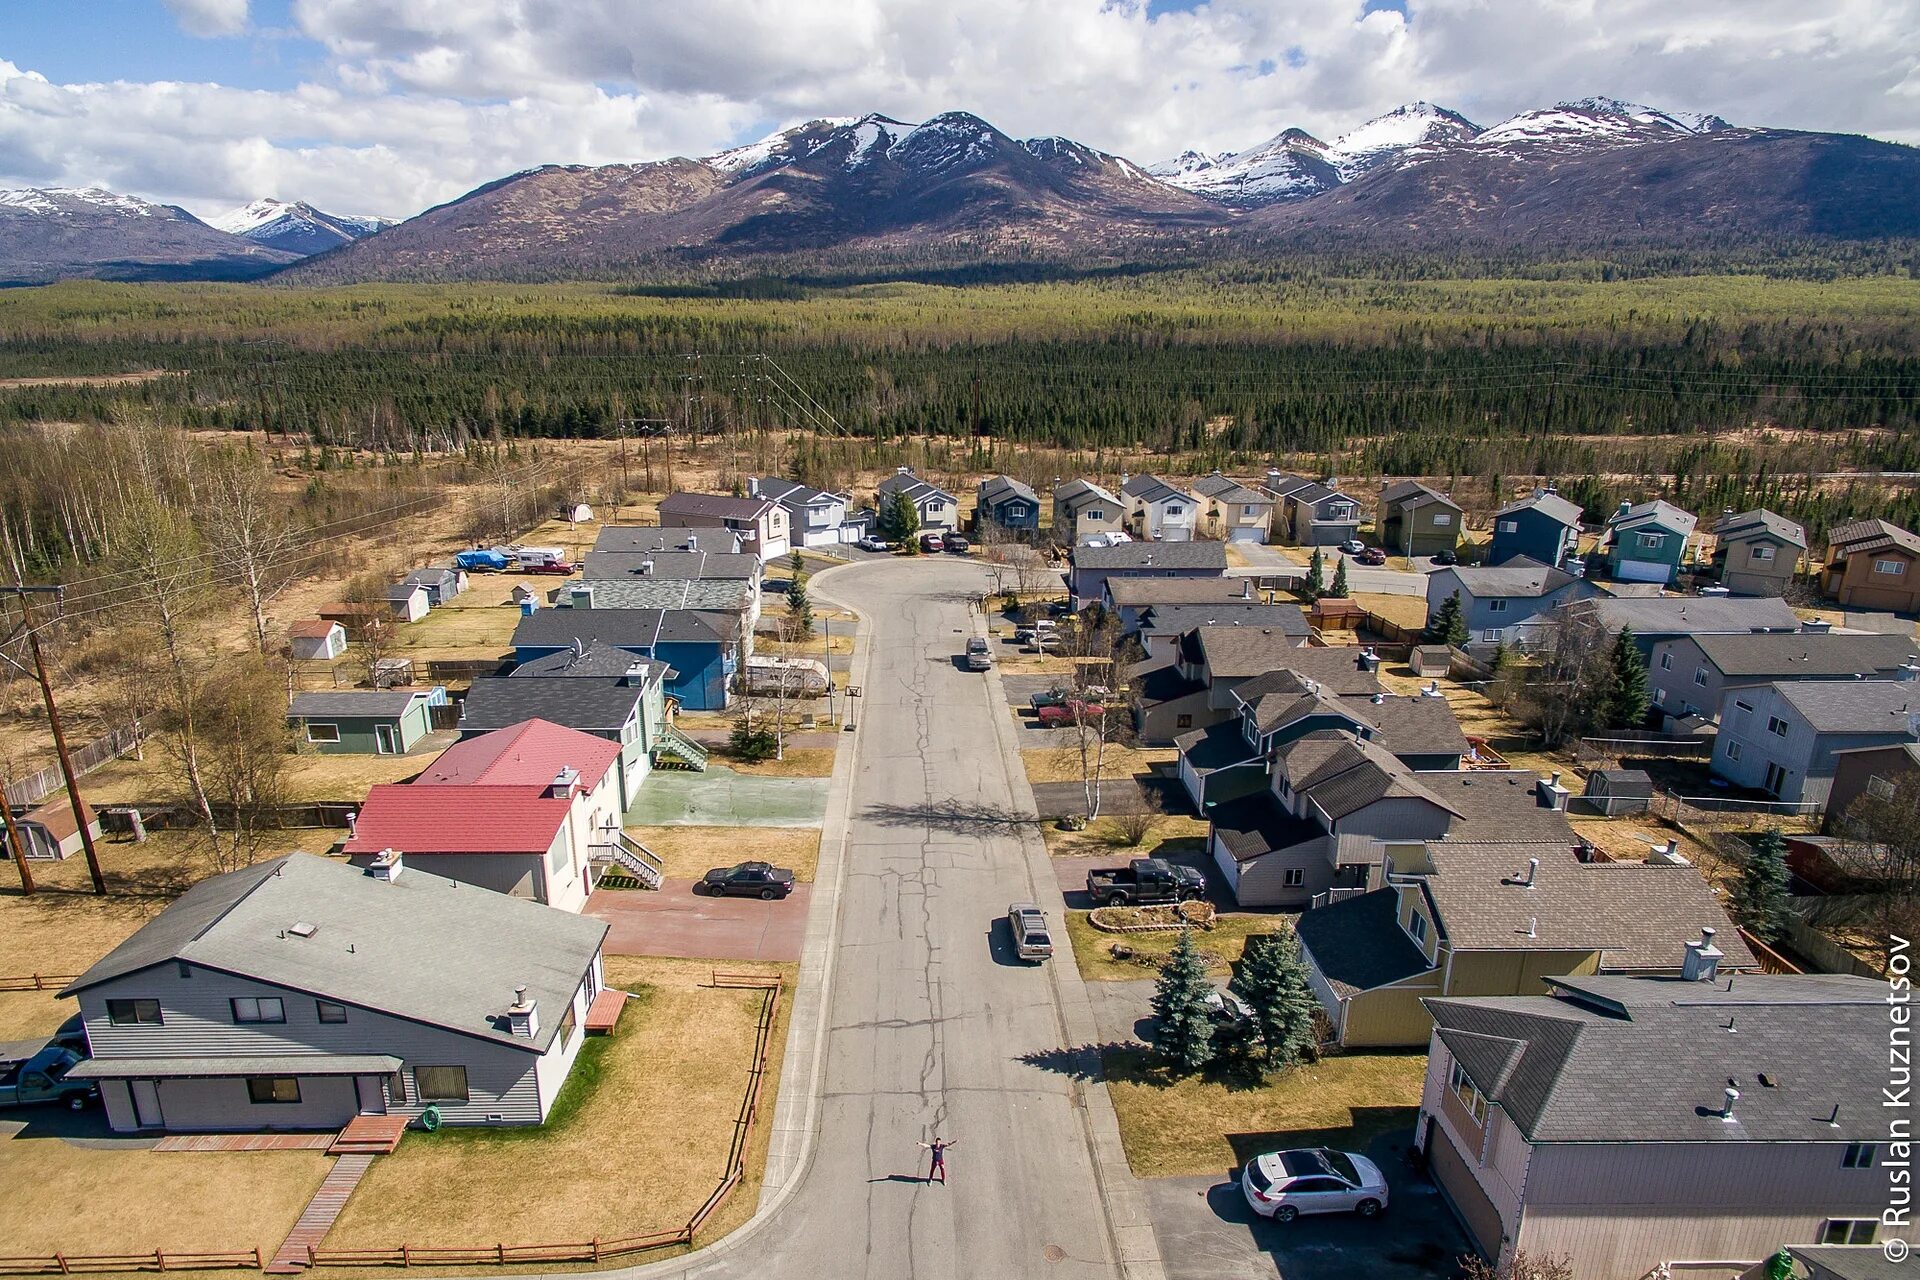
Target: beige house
pixel 1630 1124
pixel 1757 552
pixel 1231 511
pixel 1496 918
pixel 1414 520
pixel 1082 508
pixel 1871 564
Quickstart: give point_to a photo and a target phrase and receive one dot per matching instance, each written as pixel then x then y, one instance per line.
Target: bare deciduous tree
pixel 244 737
pixel 253 541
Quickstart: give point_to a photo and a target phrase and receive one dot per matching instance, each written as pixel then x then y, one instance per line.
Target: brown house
pixel 1871 564
pixel 1757 552
pixel 1874 771
pixel 1417 521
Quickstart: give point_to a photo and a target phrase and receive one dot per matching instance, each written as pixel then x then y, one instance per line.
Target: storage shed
pixel 1616 791
pixel 362 722
pixel 316 640
pixel 1431 660
pixel 409 601
pixel 50 831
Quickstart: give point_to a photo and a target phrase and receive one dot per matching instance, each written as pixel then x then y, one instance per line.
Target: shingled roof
pixel 1757 523
pixel 1153 555
pixel 1230 491
pixel 1551 505
pixel 714 506
pixel 1800 654
pixel 1872 535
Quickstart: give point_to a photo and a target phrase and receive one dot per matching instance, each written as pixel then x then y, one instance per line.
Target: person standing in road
pixel 938 1147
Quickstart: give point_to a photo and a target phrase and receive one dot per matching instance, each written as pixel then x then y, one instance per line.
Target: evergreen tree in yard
pixel 1759 900
pixel 796 565
pixel 1449 625
pixel 799 609
pixel 1339 588
pixel 900 521
pixel 1273 980
pixel 1185 1026
pixel 1314 585
pixel 1630 695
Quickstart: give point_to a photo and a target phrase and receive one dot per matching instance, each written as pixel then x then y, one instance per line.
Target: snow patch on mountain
pixel 53 201
pixel 1595 122
pixel 1418 126
pixel 1290 166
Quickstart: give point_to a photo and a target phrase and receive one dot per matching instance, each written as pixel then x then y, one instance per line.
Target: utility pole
pixel 59 735
pixel 16 845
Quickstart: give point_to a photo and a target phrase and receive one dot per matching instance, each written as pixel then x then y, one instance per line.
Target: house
pixel 358 620
pixel 1192 688
pixel 299 993
pixel 702 648
pixel 729 582
pixel 1870 565
pixel 1657 618
pixel 386 722
pixel 1082 508
pixel 1414 520
pixel 1161 626
pixel 1868 771
pixel 607 692
pixel 1627 1123
pixel 815 517
pixel 524 811
pixel 672 566
pixel 408 601
pixel 1757 553
pixel 50 831
pixel 1231 511
pixel 1646 543
pixel 1130 598
pixel 761 523
pixel 1690 675
pixel 1784 739
pixel 1008 504
pixel 1544 527
pixel 1156 511
pixel 939 510
pixel 1308 513
pixel 316 640
pixel 1845 1262
pixel 441 585
pixel 1090 567
pixel 1496 917
pixel 632 538
pixel 1505 604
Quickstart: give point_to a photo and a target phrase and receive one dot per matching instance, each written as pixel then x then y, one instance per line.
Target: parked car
pixel 1282 1185
pixel 931 542
pixel 1144 882
pixel 1352 547
pixel 36 1072
pixel 1446 556
pixel 1025 635
pixel 956 543
pixel 1031 941
pixel 874 544
pixel 1054 697
pixel 1072 711
pixel 1373 556
pixel 979 657
pixel 1047 642
pixel 747 880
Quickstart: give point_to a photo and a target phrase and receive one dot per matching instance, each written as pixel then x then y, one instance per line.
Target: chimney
pixel 1149 558
pixel 753 486
pixel 1668 855
pixel 523 1017
pixel 1432 690
pixel 900 471
pixel 646 567
pixel 1533 926
pixel 1552 794
pixel 1726 1106
pixel 581 596
pixel 1551 491
pixel 1702 963
pixel 1624 508
pixel 1369 659
pixel 386 866
pixel 561 788
pixel 636 675
pixel 693 542
pixel 1816 626
pixel 1379 698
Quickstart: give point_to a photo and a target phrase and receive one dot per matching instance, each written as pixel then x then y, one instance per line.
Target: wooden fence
pixel 72 1264
pixel 467 669
pixel 35 787
pixel 598 1249
pixel 36 981
pixel 162 815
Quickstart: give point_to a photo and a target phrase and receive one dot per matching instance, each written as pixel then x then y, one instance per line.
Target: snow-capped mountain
pixel 57 202
pixel 1416 127
pixel 296 226
pixel 47 233
pixel 1594 122
pixel 1289 166
pixel 954 140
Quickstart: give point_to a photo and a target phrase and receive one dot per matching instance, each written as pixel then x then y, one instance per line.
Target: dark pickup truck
pixel 1145 881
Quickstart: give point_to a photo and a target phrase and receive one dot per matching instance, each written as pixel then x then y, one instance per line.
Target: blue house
pixel 1544 527
pixel 1008 503
pixel 701 647
pixel 1646 543
pixel 1508 604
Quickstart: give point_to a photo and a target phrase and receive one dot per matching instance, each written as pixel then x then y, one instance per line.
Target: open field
pixel 1221 945
pixel 796 762
pixel 1405 611
pixel 689 851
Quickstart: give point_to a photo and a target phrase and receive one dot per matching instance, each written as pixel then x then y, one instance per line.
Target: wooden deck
pixel 318 1217
pixel 369 1136
pixel 245 1142
pixel 603 1015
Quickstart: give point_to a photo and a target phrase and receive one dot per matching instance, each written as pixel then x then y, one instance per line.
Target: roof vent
pixel 1432 690
pixel 1726 1106
pixel 693 542
pixel 646 567
pixel 304 929
pixel 386 866
pixel 1379 698
pixel 1668 855
pixel 1702 962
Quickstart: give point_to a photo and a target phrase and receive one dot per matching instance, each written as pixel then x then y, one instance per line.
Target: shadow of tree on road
pixel 959 817
pixel 1077 1062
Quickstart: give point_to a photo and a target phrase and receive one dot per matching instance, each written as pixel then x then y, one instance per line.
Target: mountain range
pixel 1584 173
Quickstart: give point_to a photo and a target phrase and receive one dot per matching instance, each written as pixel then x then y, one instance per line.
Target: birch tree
pixel 253 542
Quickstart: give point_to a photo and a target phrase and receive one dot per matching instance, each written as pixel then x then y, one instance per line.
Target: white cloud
pixel 414 101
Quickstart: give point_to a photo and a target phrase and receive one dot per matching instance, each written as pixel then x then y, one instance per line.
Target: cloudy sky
pixel 388 106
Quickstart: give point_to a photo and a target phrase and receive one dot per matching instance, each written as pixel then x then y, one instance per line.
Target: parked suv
pixel 1031 941
pixel 979 657
pixel 1285 1184
pixel 955 543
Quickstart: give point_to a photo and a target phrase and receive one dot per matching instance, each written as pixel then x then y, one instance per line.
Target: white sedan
pixel 1282 1185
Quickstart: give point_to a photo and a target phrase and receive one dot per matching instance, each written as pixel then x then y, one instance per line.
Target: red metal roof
pixel 428 818
pixel 531 753
pixel 312 629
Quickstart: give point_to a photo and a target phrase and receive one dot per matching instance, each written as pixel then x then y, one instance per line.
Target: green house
pixel 362 721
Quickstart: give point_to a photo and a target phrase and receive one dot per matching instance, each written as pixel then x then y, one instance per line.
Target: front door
pixel 386 740
pixel 146 1103
pixel 373 1095
pixel 1775 779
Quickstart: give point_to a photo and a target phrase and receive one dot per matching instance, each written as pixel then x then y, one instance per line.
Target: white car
pixel 874 544
pixel 1352 547
pixel 1282 1185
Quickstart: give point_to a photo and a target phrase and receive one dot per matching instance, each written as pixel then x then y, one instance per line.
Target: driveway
pixel 673 921
pixel 1207 1232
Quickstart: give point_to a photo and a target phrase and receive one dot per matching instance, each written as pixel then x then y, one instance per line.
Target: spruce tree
pixel 1630 696
pixel 1339 588
pixel 905 523
pixel 1184 1036
pixel 1273 980
pixel 1759 899
pixel 799 609
pixel 1447 625
pixel 1315 584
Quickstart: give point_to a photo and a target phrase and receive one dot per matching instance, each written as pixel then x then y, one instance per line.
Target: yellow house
pixel 1496 918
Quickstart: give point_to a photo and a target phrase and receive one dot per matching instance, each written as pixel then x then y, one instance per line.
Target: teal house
pixel 1646 543
pixel 387 722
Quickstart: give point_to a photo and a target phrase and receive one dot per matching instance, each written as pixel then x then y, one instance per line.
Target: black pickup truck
pixel 1145 881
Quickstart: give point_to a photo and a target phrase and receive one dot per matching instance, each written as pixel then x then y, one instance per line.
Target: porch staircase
pixel 676 750
pixel 619 849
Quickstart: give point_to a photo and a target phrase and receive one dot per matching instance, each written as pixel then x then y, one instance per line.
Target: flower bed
pixel 1186 915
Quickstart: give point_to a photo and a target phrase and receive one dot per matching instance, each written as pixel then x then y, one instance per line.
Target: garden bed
pixel 1186 915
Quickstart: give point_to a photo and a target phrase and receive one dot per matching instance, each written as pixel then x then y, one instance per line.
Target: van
pixel 979 657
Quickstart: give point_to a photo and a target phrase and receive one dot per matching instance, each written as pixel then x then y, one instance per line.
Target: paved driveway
pixel 673 921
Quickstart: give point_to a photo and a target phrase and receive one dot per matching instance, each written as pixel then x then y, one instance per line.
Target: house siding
pixel 1419 532
pixel 1859 586
pixel 1744 575
pixel 359 736
pixel 1390 1017
pixel 1807 757
pixel 1535 534
pixel 1073 521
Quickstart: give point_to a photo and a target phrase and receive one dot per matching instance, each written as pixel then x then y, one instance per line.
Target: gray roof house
pixel 1008 503
pixel 698 565
pixel 1197 685
pixel 1783 739
pixel 1157 510
pixel 1232 511
pixel 815 517
pixel 1132 597
pixel 1091 567
pixel 1416 520
pixel 1689 674
pixel 1757 553
pixel 1082 508
pixel 1309 513
pixel 939 510
pixel 1506 603
pixel 1629 1123
pixel 1161 625
pixel 1657 618
pixel 1543 526
pixel 761 523
pixel 301 992
pixel 624 537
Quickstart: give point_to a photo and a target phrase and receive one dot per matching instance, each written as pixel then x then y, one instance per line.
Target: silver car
pixel 1282 1185
pixel 1031 941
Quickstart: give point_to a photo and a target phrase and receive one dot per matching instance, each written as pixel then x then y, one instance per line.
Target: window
pixel 1848 1231
pixel 1651 541
pixel 1659 697
pixel 1491 635
pixel 1700 676
pixel 258 1009
pixel 1249 511
pixel 1183 721
pixel 322 732
pixel 1733 751
pixel 1441 519
pixel 1509 526
pixel 1762 555
pixel 566 1027
pixel 1891 568
pixel 1469 1094
pixel 1296 876
pixel 1176 510
pixel 1096 514
pixel 1666 662
pixel 1859 1156
pixel 272 1089
pixel 125 1013
pixel 1776 726
pixel 1742 708
pixel 446 1084
pixel 1879 788
pixel 1496 606
pixel 1417 926
pixel 1342 511
pixel 328 1011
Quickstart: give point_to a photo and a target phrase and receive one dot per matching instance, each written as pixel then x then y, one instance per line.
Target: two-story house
pixel 1082 509
pixel 1311 513
pixel 1656 618
pixel 1871 564
pixel 1757 553
pixel 939 510
pixel 697 579
pixel 300 992
pixel 1128 599
pixel 1231 511
pixel 1636 1126
pixel 1647 542
pixel 1009 504
pixel 1543 526
pixel 704 649
pixel 1878 773
pixel 1159 627
pixel 1157 511
pixel 1192 686
pixel 760 522
pixel 1091 567
pixel 648 537
pixel 1496 917
pixel 1415 520
pixel 815 517
pixel 1505 604
pixel 1784 739
pixel 1689 675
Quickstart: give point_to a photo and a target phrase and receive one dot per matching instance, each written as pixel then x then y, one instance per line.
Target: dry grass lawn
pixel 1178 1127
pixel 1062 764
pixel 1222 945
pixel 477 623
pixel 1170 833
pixel 635 1150
pixel 1404 611
pixel 689 851
pixel 798 762
pixel 310 776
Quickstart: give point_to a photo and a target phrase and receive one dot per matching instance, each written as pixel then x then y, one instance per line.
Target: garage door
pixel 1643 571
pixel 1454 1174
pixel 1249 533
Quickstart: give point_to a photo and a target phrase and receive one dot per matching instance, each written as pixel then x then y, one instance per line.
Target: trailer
pixel 482 561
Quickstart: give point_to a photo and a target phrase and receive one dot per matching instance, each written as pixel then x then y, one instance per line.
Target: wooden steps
pixel 318 1217
pixel 603 1015
pixel 369 1136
